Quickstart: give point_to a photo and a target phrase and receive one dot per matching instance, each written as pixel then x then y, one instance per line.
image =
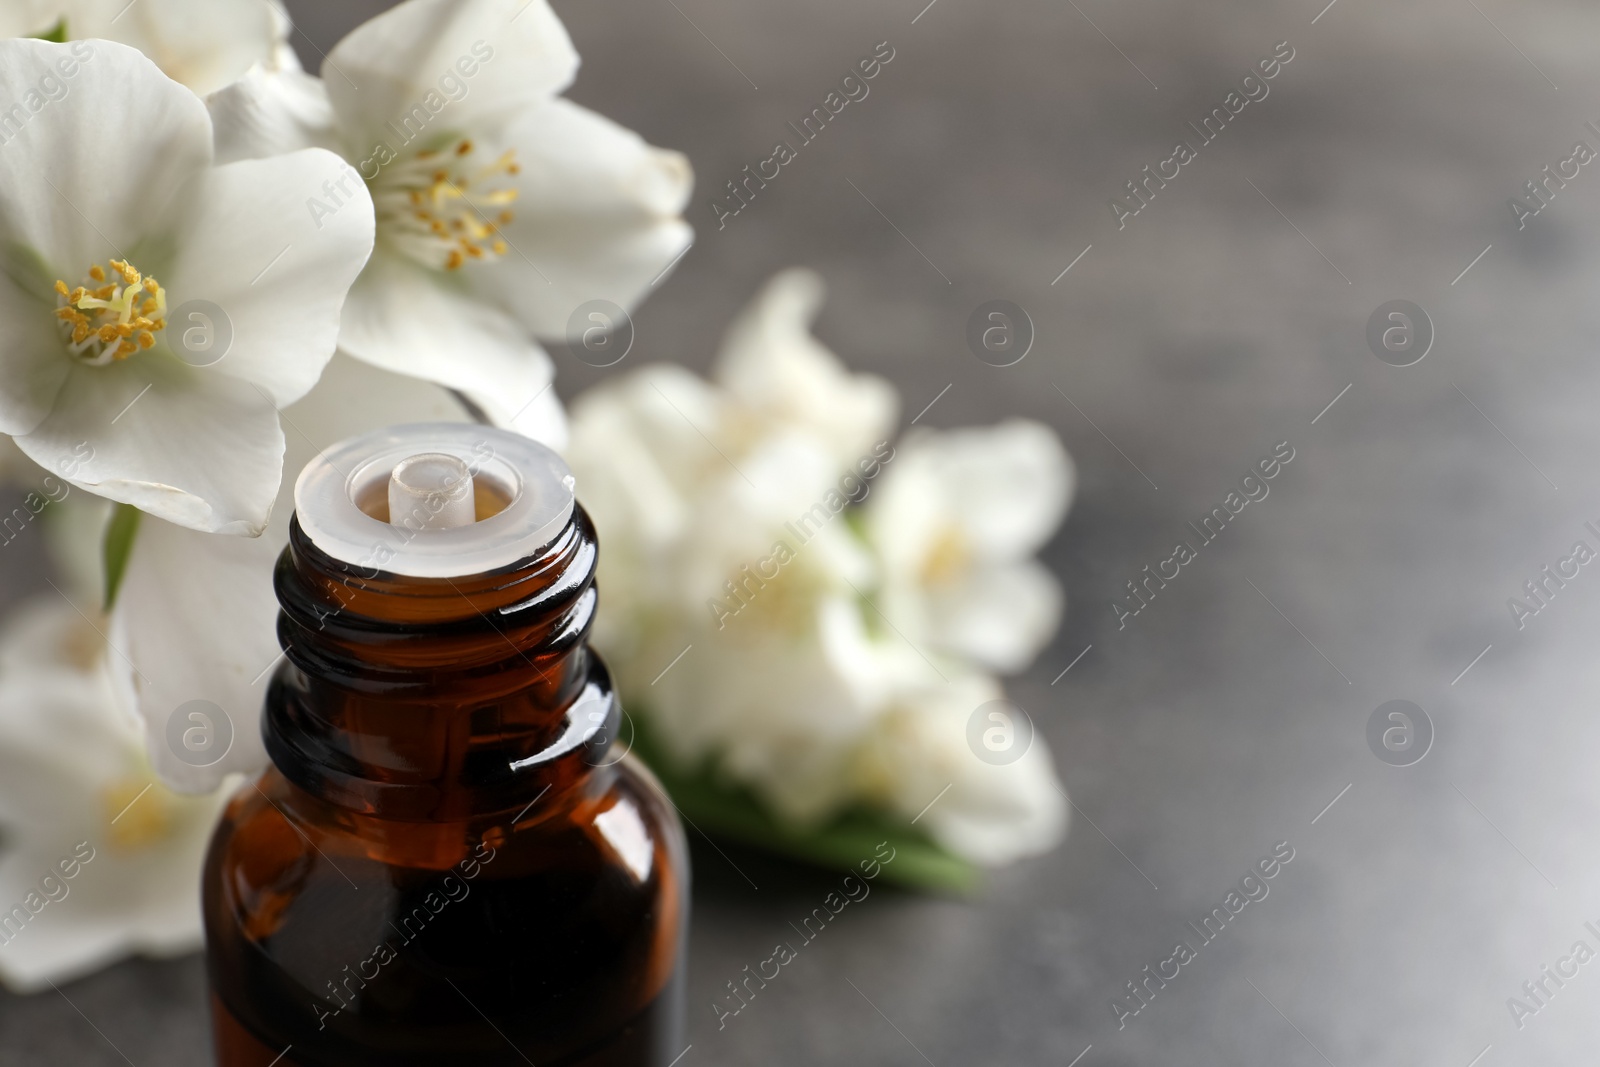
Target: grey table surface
pixel 1222 319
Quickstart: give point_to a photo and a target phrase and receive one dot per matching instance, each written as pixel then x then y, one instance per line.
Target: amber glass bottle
pixel 450 860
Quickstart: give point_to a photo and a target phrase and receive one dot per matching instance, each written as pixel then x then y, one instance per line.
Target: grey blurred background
pixel 1224 318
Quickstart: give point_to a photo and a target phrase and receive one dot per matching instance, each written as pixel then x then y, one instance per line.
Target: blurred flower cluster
pixel 214 265
pixel 799 606
pixel 100 859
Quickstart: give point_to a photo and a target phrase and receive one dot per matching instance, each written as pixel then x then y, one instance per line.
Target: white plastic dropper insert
pixel 425 500
pixel 432 491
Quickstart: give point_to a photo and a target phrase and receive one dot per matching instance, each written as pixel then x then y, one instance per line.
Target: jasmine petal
pixel 107 267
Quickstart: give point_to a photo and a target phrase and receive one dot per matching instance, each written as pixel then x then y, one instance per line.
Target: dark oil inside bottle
pixel 451 860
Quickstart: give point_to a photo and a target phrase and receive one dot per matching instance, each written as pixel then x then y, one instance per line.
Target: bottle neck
pixel 439 698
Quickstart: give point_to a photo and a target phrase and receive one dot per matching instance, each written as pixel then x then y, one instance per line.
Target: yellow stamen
pixel 447 216
pixel 111 322
pixel 137 813
pixel 948 558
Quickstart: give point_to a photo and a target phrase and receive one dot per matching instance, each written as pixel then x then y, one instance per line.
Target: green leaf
pixel 118 546
pixel 56 33
pixel 730 812
pixel 855 519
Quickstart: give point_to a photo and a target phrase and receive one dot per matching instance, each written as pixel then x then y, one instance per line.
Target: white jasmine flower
pixel 692 482
pixel 955 521
pixel 100 860
pixel 696 509
pixel 780 375
pixel 919 749
pixel 98 255
pixel 695 487
pixel 774 690
pixel 197 615
pixel 500 207
pixel 734 611
pixel 780 709
pixel 205 44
